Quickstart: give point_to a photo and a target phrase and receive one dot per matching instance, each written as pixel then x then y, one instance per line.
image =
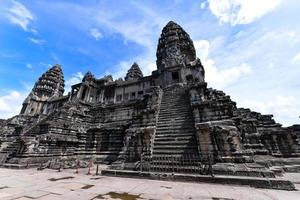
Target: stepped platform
pixel 266 183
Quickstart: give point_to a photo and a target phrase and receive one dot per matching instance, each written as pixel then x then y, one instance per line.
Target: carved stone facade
pixel 166 116
pixel 134 73
pixel 48 89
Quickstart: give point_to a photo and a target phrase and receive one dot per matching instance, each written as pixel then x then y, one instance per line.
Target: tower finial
pixel 175 47
pixel 88 77
pixel 134 73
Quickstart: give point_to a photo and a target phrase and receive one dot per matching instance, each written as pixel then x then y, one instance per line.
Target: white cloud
pixel 241 11
pixel 29 66
pixel 202 48
pixel 222 78
pixel 268 82
pixel 74 79
pixel 141 29
pixel 37 41
pixel 215 77
pixel 46 65
pixel 203 5
pixel 122 68
pixel 11 104
pixel 95 33
pixel 296 58
pixel 145 61
pixel 146 64
pixel 18 14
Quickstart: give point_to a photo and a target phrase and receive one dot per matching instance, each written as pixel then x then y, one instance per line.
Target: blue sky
pixel 250 49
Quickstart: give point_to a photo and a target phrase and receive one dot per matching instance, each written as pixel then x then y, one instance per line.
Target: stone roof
pixel 134 73
pixel 88 77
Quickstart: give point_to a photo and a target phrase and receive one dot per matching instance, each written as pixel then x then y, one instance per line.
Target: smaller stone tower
pixel 88 77
pixel 134 73
pixel 50 85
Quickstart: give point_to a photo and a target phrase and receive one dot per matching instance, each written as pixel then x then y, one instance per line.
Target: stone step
pixel 178 118
pixel 175 117
pixel 174 98
pixel 174 142
pixel 176 147
pixel 174 128
pixel 174 120
pixel 180 169
pixel 176 131
pixel 179 106
pixel 170 113
pixel 161 121
pixel 174 107
pixel 97 153
pixel 185 139
pixel 176 114
pixel 175 123
pixel 15 166
pixel 188 115
pixel 173 135
pixel 167 111
pixel 178 162
pixel 178 89
pixel 175 93
pixel 170 128
pixel 174 151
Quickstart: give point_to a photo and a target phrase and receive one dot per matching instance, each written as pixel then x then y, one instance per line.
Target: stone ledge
pixel 266 183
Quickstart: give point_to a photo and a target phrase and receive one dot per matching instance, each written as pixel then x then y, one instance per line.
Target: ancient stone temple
pixel 168 121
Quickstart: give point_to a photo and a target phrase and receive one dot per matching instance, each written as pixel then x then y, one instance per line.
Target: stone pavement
pixel 49 184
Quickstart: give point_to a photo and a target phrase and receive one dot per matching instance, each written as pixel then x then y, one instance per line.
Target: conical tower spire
pixel 88 77
pixel 49 85
pixel 134 73
pixel 175 47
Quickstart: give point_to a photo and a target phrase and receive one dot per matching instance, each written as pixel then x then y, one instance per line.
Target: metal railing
pixel 187 163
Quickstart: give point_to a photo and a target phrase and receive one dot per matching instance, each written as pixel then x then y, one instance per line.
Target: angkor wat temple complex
pixel 166 118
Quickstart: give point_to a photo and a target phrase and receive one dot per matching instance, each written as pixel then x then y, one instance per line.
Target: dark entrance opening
pixel 18 130
pixel 90 140
pixel 175 76
pixel 44 128
pixel 189 78
pixel 105 141
pixel 83 94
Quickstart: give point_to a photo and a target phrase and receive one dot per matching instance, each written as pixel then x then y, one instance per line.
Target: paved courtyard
pixel 49 184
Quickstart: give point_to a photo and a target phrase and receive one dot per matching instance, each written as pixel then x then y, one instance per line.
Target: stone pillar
pixel 87 94
pixel 203 135
pixel 275 149
pixel 80 92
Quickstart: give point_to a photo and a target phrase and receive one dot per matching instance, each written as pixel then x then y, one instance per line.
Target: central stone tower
pixel 176 57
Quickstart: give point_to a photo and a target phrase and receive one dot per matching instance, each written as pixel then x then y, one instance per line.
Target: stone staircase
pixel 8 152
pixel 175 145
